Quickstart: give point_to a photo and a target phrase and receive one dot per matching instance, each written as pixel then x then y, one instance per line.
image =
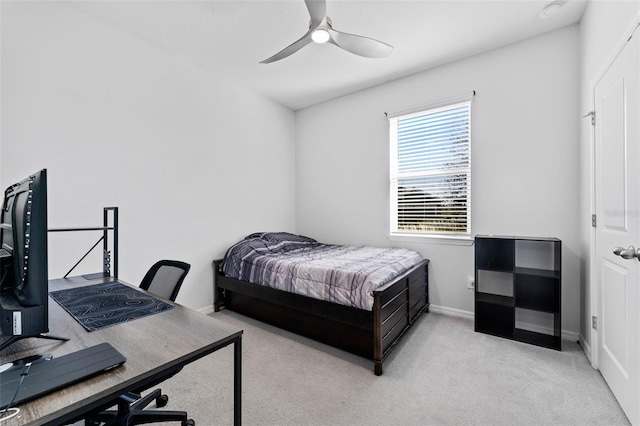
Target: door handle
pixel 628 253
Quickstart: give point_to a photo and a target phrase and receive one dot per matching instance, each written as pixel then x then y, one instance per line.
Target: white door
pixel 617 169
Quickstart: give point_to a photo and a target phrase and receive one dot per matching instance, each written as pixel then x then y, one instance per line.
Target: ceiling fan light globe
pixel 320 35
pixel 550 9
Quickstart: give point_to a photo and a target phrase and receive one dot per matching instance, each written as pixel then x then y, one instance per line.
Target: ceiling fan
pixel 321 31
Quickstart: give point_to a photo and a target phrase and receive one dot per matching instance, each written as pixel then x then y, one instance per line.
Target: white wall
pixel 118 122
pixel 524 160
pixel 603 28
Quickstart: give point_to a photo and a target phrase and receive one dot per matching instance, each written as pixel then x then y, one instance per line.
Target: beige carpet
pixel 443 373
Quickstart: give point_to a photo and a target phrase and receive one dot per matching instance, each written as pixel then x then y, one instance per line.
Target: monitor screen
pixel 23 258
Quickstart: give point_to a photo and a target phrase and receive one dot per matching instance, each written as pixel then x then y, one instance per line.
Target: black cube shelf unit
pixel 518 288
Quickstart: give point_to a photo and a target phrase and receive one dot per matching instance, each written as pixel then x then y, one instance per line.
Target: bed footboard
pixel 396 308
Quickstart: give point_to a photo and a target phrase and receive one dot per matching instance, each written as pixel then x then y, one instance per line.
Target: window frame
pixel 464 238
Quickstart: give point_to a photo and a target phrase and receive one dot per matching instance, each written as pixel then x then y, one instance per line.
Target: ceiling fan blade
pixel 317 11
pixel 359 45
pixel 292 48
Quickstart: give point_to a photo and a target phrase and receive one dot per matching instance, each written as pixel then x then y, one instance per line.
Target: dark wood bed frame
pixel 370 334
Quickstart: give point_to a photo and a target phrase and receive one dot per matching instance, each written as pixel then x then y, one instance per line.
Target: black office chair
pixel 164 279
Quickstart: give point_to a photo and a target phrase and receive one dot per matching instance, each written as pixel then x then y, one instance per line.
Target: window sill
pixel 466 240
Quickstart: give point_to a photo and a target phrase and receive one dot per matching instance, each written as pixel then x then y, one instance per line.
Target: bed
pixel 359 299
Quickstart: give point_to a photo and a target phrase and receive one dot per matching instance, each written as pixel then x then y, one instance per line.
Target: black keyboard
pixel 46 376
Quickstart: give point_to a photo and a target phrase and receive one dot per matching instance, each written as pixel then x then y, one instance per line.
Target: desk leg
pixel 237 381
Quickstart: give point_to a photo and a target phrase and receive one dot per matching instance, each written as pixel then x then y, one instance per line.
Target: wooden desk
pixel 152 345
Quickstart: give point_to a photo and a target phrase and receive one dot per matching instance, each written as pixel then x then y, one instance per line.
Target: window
pixel 431 171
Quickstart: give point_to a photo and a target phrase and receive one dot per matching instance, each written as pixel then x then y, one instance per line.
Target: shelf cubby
pixel 518 289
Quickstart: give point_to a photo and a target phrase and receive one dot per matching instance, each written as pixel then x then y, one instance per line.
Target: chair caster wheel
pixel 189 422
pixel 162 400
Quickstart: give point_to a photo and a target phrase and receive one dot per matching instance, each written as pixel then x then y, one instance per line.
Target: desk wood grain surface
pixel 151 344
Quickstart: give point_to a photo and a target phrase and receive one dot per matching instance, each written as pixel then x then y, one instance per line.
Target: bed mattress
pixel 342 274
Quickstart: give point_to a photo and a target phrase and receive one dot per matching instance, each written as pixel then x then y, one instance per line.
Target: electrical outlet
pixel 471 285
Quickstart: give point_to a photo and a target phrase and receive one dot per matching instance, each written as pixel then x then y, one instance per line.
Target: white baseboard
pixel 206 310
pixel 536 328
pixel 570 335
pixel 586 348
pixel 450 311
pixel 566 334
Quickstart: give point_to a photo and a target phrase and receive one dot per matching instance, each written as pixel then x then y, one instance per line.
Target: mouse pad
pixel 103 305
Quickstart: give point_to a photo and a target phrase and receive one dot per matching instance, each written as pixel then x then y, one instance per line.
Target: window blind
pixel 431 171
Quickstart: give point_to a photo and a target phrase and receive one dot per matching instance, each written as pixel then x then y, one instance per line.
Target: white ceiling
pixel 230 38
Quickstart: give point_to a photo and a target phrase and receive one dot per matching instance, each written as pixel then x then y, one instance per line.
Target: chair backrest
pixel 165 278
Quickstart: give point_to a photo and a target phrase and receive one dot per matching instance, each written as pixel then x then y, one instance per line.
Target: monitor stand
pixel 11 340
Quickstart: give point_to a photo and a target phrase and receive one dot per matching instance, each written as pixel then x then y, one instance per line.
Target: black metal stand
pixel 14 339
pixel 106 257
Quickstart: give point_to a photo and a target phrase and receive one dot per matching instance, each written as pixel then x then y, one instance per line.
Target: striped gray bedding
pixel 347 275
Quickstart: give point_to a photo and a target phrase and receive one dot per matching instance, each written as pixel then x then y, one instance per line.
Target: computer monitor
pixel 24 271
